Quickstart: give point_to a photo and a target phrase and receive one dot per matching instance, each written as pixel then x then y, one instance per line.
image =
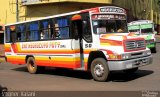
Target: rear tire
pixel 99 69
pixel 131 70
pixel 32 67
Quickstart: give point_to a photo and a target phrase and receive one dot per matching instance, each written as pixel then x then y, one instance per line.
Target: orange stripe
pixel 16 60
pixel 65 64
pixel 111 42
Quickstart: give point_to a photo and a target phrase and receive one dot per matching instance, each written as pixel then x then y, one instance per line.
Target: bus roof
pixel 93 10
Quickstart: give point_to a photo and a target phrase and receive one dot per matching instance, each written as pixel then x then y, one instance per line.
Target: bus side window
pixel 8 34
pixel 87 35
pixel 13 34
pixel 33 31
pixel 61 28
pixel 21 32
pixel 45 29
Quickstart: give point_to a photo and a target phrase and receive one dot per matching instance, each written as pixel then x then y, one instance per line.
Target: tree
pixel 158 3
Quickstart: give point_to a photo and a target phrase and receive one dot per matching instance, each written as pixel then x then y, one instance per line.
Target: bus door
pixel 77 43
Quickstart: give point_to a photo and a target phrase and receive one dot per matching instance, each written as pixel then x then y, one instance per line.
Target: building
pixel 31 9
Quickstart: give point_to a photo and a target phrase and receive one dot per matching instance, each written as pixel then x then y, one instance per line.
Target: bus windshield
pixel 109 26
pixel 147 30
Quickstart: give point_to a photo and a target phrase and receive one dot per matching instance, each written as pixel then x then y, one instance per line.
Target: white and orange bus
pixel 95 40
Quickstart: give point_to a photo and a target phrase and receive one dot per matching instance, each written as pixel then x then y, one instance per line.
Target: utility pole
pixel 151 8
pixel 17 11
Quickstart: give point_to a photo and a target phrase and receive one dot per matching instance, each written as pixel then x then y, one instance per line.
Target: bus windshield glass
pixel 141 28
pixel 146 28
pixel 104 24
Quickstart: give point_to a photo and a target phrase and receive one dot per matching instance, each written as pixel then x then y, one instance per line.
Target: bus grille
pixel 135 44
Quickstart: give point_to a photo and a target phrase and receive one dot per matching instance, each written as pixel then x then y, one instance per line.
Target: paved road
pixel 17 78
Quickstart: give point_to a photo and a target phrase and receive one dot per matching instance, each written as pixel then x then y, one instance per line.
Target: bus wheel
pixel 99 69
pixel 133 70
pixel 31 66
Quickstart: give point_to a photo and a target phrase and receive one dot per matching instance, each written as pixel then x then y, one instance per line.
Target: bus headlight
pixel 119 56
pixel 125 56
pixel 148 52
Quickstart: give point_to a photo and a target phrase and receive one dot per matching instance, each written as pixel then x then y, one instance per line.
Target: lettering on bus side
pixel 43 45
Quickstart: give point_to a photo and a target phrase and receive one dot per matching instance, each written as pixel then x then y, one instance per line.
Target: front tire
pixel 99 69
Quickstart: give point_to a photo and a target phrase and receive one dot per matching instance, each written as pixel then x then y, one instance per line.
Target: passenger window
pixel 61 28
pixel 45 31
pixel 8 34
pixel 33 31
pixel 21 32
pixel 13 33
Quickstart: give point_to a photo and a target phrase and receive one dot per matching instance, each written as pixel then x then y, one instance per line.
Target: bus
pixel 144 28
pixel 94 40
pixel 1 41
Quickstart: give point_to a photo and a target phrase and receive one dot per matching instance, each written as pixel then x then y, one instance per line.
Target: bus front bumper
pixel 129 64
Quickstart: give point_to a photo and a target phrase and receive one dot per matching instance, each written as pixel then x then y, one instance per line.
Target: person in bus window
pixel 57 34
pixel 57 31
pixel 42 35
pixel 120 30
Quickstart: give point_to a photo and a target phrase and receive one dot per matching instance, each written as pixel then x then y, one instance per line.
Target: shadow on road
pixel 124 77
pixel 22 69
pixel 118 76
pixel 69 73
pixel 61 72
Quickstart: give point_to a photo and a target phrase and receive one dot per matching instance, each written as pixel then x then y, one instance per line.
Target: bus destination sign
pixel 112 10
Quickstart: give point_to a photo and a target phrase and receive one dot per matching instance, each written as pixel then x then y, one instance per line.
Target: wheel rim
pixel 99 70
pixel 31 65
